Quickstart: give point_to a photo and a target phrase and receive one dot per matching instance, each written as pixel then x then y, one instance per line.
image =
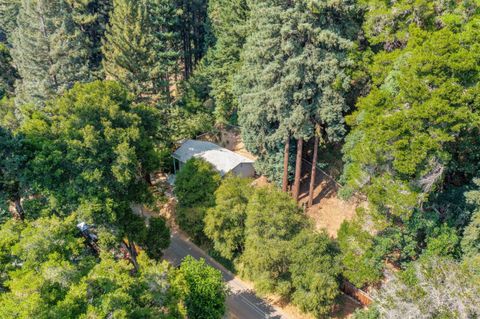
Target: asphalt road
pixel 242 303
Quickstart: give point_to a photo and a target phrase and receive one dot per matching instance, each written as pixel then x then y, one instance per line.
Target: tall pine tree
pixel 138 50
pixel 92 16
pixel 293 77
pixel 48 50
pixel 228 19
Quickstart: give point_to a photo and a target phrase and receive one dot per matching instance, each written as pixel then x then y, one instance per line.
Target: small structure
pixel 224 161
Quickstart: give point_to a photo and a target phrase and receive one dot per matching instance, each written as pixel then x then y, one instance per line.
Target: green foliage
pixel 92 17
pixel 195 185
pixel 225 222
pixel 8 16
pixel 91 153
pixel 228 19
pixel 390 23
pixel 314 273
pixel 49 272
pixel 136 49
pixel 8 74
pixel 360 264
pixel 202 289
pixel 273 220
pixel 293 75
pixel 157 238
pixel 471 236
pixel 12 170
pixel 415 125
pixel 49 51
pixel 432 288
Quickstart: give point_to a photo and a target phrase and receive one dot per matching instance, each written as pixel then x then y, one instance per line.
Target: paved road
pixel 242 303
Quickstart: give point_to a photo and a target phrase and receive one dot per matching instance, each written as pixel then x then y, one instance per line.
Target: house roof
pixel 222 159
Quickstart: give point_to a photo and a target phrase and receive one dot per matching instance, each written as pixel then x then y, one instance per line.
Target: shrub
pixel 225 223
pixel 196 183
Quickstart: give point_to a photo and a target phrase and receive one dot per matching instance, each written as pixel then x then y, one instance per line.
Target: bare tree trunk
pixel 148 179
pixel 133 253
pixel 298 170
pixel 314 171
pixel 285 165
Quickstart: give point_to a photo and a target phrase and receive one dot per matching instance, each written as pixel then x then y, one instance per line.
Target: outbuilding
pixel 224 160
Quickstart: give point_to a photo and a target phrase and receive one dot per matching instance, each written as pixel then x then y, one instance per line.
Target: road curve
pixel 242 303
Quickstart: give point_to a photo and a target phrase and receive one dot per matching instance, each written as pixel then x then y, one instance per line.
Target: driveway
pixel 242 303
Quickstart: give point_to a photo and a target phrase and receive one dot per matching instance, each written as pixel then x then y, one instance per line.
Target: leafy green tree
pixel 50 272
pixel 360 265
pixel 225 222
pixel 202 289
pixel 157 238
pixel 415 127
pixel 48 50
pixel 293 76
pixel 314 272
pixel 273 220
pixel 92 149
pixel 195 186
pixel 196 183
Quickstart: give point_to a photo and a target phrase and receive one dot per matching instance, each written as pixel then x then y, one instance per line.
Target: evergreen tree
pixel 48 50
pixel 163 20
pixel 92 17
pixel 127 48
pixel 8 17
pixel 137 49
pixel 293 76
pixel 417 125
pixel 8 74
pixel 194 32
pixel 229 26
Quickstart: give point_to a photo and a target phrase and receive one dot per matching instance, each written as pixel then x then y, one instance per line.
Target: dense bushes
pixel 269 241
pixel 225 222
pixel 195 186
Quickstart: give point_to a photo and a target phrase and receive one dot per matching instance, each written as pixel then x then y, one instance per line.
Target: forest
pixel 95 95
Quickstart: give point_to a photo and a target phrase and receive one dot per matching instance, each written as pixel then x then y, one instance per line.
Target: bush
pixel 314 272
pixel 273 220
pixel 196 184
pixel 360 265
pixel 225 223
pixel 202 289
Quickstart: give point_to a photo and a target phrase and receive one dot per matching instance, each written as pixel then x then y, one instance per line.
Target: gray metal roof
pixel 222 159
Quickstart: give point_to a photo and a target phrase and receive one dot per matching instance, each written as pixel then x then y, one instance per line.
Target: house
pixel 224 160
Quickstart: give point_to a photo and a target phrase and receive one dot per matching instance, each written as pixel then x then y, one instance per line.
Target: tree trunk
pixel 314 171
pixel 298 170
pixel 285 165
pixel 19 213
pixel 133 253
pixel 148 179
